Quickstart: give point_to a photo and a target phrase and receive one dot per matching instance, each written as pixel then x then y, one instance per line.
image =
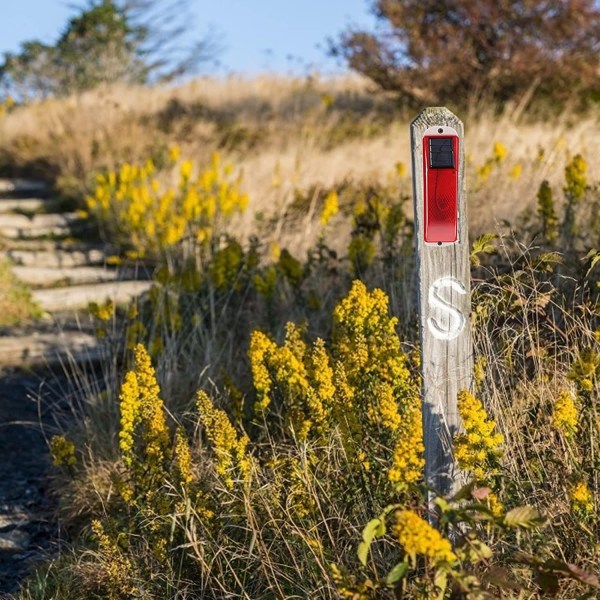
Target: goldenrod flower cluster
pixel 62 450
pixel 143 425
pixel 585 370
pixel 102 312
pixel 367 349
pixel 365 338
pixel 565 414
pixel 349 588
pixel 301 374
pixel 330 207
pixel 575 178
pixel 134 204
pixel 418 538
pixel 118 568
pixel 516 172
pixel 261 347
pixel 499 154
pixel 229 448
pixel 407 460
pixel 183 458
pixel 582 500
pixel 478 449
pixel 363 384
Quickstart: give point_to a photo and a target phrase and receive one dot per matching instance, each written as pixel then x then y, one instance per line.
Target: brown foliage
pixel 452 50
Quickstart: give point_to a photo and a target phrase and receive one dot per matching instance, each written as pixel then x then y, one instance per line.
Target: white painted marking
pixel 456 320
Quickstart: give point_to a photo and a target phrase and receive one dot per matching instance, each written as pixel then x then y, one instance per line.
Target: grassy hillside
pixel 255 431
pixel 290 138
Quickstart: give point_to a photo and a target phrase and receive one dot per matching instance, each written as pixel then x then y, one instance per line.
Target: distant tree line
pixel 131 41
pixel 433 51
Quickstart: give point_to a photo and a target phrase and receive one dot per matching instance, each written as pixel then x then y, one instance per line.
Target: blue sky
pixel 256 35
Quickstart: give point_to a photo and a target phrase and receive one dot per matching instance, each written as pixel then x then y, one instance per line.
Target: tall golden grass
pixel 289 137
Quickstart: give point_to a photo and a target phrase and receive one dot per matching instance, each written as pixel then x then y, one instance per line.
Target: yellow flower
pixel 183 458
pixel 229 448
pixel 582 500
pixel 418 538
pixel 485 171
pixel 400 170
pixel 516 172
pixel 330 207
pixel 495 504
pixel 565 414
pixel 478 448
pixel 575 178
pixel 62 450
pixel 142 414
pixel 174 153
pixel 103 312
pixel 500 152
pixel 261 346
pixel 407 461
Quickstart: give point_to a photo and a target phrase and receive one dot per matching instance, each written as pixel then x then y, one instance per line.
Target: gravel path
pixel 27 530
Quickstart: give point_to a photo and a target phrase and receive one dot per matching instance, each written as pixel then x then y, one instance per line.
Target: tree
pixel 98 46
pixel 450 50
pixel 163 31
pixel 132 41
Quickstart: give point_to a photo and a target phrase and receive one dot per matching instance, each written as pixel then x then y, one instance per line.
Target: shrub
pixel 432 52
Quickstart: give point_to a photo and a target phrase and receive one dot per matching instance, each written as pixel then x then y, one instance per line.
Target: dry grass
pixel 302 134
pixel 292 139
pixel 16 304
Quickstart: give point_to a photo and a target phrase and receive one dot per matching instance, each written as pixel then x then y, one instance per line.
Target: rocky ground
pixel 27 527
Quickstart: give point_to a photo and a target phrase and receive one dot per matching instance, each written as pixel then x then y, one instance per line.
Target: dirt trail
pixel 26 507
pixel 55 254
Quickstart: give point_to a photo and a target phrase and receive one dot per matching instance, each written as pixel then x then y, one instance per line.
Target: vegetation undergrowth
pixel 16 303
pixel 265 440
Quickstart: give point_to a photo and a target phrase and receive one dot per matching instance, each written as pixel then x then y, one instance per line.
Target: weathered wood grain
pixel 447 364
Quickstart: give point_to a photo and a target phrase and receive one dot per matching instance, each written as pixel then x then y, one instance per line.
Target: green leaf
pixel 523 516
pixel 482 245
pixel 396 574
pixel 440 581
pixel 373 529
pixel 595 256
pixel 363 553
pixel 474 551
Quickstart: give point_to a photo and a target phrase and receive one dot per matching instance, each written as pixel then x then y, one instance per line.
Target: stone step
pixel 56 258
pixel 42 245
pixel 46 349
pixel 47 276
pixel 21 226
pixel 8 205
pixel 75 297
pixel 22 185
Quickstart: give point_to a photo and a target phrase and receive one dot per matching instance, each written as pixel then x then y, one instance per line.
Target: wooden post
pixel 444 294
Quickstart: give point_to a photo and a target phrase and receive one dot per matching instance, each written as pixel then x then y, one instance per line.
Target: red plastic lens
pixel 440 168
